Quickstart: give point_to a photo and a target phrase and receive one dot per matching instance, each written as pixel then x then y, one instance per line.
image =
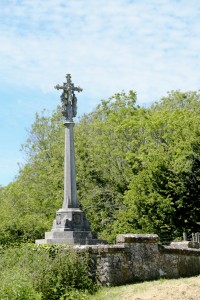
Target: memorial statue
pixel 68 98
pixel 70 225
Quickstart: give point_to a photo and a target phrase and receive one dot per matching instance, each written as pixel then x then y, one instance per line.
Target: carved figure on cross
pixel 68 98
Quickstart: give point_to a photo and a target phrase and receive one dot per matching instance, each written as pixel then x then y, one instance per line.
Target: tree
pixel 30 202
pixel 103 169
pixel 137 169
pixel 164 197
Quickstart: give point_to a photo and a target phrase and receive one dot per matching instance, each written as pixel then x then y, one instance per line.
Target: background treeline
pixel 138 170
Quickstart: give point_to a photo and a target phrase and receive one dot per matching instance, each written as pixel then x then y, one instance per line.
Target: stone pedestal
pixel 70 227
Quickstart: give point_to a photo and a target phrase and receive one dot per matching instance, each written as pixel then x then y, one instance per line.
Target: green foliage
pixel 14 286
pixel 103 172
pixel 137 170
pixel 163 197
pixel 30 202
pixel 50 272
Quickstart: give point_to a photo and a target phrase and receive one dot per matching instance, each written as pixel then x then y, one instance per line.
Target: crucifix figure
pixel 68 98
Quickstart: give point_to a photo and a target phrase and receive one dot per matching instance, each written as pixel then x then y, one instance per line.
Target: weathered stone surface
pixel 185 244
pixel 137 261
pixel 70 219
pixel 140 238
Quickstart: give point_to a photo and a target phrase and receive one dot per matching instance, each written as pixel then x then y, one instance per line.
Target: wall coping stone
pixel 178 250
pixel 185 244
pixel 137 238
pixel 99 249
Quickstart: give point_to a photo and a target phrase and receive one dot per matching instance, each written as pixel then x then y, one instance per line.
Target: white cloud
pixel 107 45
pixel 151 46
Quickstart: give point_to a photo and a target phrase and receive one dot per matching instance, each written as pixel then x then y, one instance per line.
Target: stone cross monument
pixel 69 109
pixel 71 225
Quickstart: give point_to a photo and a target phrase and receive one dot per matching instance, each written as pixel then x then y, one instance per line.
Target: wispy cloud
pixel 150 46
pixel 108 45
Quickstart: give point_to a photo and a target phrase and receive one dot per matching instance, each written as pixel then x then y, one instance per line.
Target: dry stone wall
pixel 138 257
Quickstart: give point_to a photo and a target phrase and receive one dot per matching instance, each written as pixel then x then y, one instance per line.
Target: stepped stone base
pixel 70 227
pixel 70 237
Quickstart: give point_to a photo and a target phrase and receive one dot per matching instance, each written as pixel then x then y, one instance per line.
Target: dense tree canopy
pixel 163 197
pixel 138 170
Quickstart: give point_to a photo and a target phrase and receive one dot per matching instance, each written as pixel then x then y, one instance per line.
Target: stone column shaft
pixel 70 194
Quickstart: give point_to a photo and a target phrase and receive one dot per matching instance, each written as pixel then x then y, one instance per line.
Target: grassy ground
pixel 176 289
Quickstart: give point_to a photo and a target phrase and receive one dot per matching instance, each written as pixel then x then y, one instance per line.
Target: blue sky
pixel 150 46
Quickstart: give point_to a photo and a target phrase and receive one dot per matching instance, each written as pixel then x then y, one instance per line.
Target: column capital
pixel 65 123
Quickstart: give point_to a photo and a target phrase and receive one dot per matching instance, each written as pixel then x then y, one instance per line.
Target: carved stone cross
pixel 68 98
pixel 70 225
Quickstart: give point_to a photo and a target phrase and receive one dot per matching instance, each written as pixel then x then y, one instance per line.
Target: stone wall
pixel 138 257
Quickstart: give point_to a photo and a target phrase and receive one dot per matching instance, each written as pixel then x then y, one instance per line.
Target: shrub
pixel 44 272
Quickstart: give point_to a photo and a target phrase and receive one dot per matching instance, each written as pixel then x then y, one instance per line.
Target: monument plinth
pixel 70 225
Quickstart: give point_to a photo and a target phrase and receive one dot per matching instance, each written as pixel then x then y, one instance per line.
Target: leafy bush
pixel 15 286
pixel 44 272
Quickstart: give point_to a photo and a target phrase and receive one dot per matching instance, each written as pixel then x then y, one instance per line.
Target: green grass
pixel 176 289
